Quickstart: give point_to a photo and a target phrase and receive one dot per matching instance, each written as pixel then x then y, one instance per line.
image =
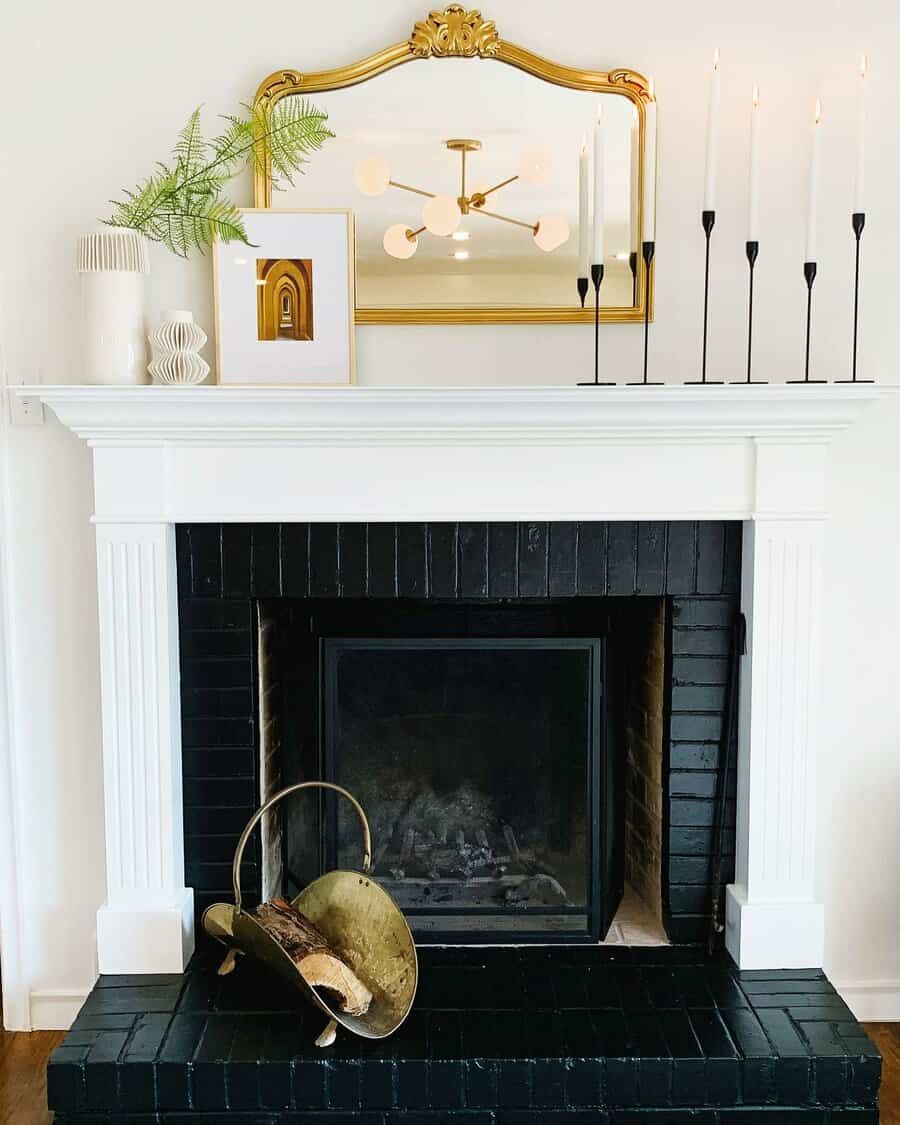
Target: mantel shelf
pixel 462 416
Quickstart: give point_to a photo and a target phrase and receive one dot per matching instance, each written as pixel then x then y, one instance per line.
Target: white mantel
pixel 169 455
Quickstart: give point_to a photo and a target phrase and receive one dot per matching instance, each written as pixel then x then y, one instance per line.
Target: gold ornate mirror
pixel 504 151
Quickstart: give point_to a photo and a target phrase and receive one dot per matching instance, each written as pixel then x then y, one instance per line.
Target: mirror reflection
pixel 466 192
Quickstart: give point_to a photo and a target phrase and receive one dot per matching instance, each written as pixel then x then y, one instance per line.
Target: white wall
pixel 93 96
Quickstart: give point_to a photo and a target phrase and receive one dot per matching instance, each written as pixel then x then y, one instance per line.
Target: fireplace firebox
pixel 479 761
pixel 480 740
pixel 476 738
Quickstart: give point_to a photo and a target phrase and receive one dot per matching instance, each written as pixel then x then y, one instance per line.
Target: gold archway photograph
pixel 284 298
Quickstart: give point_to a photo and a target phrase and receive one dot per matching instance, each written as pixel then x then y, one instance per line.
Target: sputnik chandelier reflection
pixel 442 214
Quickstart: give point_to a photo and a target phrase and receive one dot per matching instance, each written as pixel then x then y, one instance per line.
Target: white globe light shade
pixel 535 166
pixel 397 244
pixel 372 175
pixel 441 215
pixel 552 231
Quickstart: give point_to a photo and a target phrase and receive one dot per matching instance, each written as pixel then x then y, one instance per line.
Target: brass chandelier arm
pixel 414 190
pixel 490 191
pixel 505 219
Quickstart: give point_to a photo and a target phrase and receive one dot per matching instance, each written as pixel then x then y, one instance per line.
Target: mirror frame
pixel 457 32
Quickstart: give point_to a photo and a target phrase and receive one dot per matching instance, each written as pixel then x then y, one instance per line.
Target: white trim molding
pixel 871 1001
pixel 13 963
pixel 169 455
pixel 55 1009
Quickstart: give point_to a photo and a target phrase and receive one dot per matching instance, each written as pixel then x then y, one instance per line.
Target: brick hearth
pixel 512 1037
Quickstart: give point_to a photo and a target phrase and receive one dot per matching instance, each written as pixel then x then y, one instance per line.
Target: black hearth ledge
pixel 592 1035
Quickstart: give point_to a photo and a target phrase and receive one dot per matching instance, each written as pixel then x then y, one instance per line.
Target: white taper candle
pixel 599 181
pixel 859 186
pixel 712 137
pixel 584 220
pixel 649 205
pixel 753 186
pixel 813 207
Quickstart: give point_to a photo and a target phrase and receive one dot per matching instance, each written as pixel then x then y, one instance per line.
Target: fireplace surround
pixel 591 583
pixel 276 456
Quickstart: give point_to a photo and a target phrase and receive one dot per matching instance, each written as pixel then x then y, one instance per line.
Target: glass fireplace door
pixel 477 761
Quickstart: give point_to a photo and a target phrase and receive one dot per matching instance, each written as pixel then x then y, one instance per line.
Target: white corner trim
pixel 55 1009
pixel 871 1001
pixel 16 1011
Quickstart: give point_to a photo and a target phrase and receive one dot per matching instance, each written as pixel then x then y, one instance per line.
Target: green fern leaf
pixel 190 148
pixel 181 203
pixel 290 132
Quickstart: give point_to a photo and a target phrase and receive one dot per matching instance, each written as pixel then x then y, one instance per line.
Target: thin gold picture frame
pixel 457 32
pixel 351 296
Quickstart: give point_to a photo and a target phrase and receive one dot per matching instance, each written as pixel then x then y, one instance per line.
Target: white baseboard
pixel 55 1009
pixel 871 1001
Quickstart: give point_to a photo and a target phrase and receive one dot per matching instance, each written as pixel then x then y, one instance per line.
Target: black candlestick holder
pixel 857 222
pixel 648 252
pixel 597 281
pixel 633 266
pixel 582 285
pixel 708 221
pixel 752 251
pixel 810 269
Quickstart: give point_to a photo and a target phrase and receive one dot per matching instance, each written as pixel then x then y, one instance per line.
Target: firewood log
pixel 316 961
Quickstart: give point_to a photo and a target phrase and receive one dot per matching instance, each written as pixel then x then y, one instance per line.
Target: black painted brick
pixel 412 560
pixel 382 560
pixel 563 559
pixel 473 560
pixel 684 1029
pixel 593 550
pixel 534 544
pixel 324 572
pixel 443 545
pixel 622 558
pixel 267 560
pixel 221 569
pixel 295 560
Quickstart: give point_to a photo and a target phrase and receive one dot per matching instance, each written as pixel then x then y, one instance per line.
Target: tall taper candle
pixel 599 178
pixel 649 206
pixel 813 206
pixel 584 220
pixel 712 137
pixel 753 187
pixel 859 187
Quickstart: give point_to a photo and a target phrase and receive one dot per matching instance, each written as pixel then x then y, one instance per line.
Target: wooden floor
pixel 23 1076
pixel 23 1064
pixel 887 1036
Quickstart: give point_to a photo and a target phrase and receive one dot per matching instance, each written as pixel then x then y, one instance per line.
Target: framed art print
pixel 285 304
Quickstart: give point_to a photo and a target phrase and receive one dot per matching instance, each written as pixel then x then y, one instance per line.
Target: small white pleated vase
pixel 112 263
pixel 176 344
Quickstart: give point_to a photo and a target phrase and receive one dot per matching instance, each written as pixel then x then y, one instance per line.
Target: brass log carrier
pixel 361 921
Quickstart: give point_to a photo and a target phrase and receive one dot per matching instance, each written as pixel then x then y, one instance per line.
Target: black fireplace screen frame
pixel 599 801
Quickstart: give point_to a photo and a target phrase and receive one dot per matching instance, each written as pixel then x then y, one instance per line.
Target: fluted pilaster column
pixel 146 924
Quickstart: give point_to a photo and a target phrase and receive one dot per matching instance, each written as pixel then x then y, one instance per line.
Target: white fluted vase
pixel 176 345
pixel 112 263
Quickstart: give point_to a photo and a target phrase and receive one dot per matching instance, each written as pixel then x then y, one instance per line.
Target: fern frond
pixel 138 207
pixel 289 132
pixel 183 229
pixel 234 146
pixel 181 203
pixel 190 148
